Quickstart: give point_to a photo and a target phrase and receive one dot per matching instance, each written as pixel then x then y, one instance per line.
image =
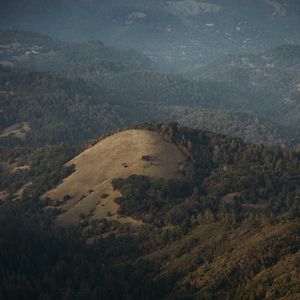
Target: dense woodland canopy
pixel 230 191
pixel 273 76
pixel 119 88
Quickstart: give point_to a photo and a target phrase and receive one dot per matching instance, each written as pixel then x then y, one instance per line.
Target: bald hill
pixel 155 212
pixel 88 192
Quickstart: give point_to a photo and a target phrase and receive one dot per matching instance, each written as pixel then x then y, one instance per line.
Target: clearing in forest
pixel 88 191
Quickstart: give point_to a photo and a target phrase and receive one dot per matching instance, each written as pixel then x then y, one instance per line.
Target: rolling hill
pixel 227 227
pixel 177 34
pixel 120 88
pixel 244 124
pixel 37 52
pixel 88 193
pixel 273 76
pixel 85 110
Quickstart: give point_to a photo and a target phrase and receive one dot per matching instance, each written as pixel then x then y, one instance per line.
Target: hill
pixel 216 173
pixel 93 105
pixel 244 124
pixel 88 194
pixel 37 52
pixel 129 76
pixel 227 227
pixel 167 31
pixel 54 107
pixel 126 87
pixel 273 76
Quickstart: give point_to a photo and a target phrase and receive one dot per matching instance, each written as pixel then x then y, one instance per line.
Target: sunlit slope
pixel 264 258
pixel 123 154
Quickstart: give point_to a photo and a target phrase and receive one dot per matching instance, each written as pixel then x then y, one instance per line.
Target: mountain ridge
pixel 172 27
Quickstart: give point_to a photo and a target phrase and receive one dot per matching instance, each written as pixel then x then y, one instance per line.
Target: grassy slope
pixel 117 156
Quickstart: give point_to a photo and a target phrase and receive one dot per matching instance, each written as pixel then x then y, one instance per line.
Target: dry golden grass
pixel 230 198
pixel 19 130
pixel 20 168
pixel 3 195
pixel 117 156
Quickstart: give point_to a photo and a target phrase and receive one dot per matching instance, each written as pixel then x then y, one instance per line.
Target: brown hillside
pixel 130 152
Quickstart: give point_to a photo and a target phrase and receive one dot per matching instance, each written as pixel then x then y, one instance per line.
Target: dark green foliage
pixel 150 200
pixel 45 168
pixel 196 242
pixel 169 89
pixel 240 123
pixel 223 175
pixel 57 109
pixel 271 77
pixel 119 88
pixel 41 262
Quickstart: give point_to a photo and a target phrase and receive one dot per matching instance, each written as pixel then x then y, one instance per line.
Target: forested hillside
pixel 56 108
pixel 240 123
pixel 228 229
pixel 273 77
pixel 121 88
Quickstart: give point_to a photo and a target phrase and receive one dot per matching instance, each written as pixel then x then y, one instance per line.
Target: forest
pixel 242 197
